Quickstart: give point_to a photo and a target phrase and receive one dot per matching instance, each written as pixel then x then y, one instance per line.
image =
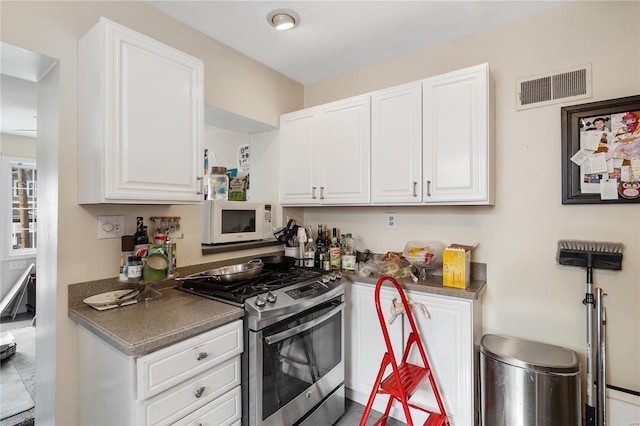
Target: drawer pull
pixel 313 192
pixel 199 392
pixel 322 192
pixel 202 355
pixel 415 186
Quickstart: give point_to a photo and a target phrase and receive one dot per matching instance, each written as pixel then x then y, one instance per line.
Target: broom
pixel 590 255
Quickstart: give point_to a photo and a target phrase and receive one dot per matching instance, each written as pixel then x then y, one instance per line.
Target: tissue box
pixel 456 265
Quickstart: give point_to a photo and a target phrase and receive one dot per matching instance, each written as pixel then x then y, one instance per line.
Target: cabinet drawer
pixel 191 395
pixel 224 411
pixel 167 367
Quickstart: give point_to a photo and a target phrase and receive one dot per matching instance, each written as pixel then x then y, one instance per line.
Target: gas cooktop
pixel 238 293
pixel 272 295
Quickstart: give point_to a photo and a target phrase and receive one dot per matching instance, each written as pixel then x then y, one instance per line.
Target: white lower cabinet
pixel 196 381
pixel 449 337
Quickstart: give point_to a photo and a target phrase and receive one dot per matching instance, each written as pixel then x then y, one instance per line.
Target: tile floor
pixel 353 414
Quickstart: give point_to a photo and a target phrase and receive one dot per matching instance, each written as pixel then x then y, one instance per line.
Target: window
pixel 19 200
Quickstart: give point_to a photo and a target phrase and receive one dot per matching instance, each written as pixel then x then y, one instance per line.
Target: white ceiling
pixel 334 37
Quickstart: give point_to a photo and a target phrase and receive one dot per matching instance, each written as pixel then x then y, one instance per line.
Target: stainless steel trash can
pixel 528 383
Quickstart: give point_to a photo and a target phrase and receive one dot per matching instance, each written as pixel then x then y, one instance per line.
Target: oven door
pixel 296 364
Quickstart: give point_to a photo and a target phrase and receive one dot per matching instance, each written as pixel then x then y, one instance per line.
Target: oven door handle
pixel 278 337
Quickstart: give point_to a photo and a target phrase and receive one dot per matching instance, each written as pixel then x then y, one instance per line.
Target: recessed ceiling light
pixel 283 19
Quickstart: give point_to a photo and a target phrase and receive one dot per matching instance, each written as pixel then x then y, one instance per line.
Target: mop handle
pixel 601 362
pixel 590 407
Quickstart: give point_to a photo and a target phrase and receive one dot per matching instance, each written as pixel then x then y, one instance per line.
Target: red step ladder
pixel 405 378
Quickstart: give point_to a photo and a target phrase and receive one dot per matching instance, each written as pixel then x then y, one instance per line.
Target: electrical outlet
pixel 110 227
pixel 392 220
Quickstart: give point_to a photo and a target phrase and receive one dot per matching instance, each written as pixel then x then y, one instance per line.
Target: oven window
pixel 237 221
pixel 291 365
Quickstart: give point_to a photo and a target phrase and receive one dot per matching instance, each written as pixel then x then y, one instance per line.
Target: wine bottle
pixel 141 239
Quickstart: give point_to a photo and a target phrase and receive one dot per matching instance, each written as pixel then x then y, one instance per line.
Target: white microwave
pixel 226 222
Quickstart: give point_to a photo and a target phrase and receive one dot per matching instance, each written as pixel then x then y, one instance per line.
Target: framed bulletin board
pixel 601 152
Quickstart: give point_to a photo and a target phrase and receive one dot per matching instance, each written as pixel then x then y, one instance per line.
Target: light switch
pixel 110 226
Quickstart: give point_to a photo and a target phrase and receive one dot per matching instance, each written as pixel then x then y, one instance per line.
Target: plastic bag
pixel 396 268
pixel 424 254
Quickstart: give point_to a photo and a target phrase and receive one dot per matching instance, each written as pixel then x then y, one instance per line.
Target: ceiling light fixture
pixel 283 19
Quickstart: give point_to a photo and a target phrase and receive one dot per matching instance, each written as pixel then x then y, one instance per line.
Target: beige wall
pixel 233 82
pixel 529 295
pixel 225 144
pixel 17 146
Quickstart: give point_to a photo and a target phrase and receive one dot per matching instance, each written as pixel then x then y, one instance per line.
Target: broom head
pixel 593 254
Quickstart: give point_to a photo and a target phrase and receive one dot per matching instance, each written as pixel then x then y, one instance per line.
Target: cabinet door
pixel 298 159
pixel 147 100
pixel 364 341
pixel 344 150
pixel 456 138
pixel 396 145
pixel 447 336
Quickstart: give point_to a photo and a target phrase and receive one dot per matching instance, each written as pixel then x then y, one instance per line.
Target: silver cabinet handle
pixel 199 392
pixel 202 355
pixel 428 188
pixel 415 187
pixel 201 179
pixel 322 192
pixel 313 192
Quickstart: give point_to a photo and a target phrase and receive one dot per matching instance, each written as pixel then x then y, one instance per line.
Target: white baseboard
pixel 623 409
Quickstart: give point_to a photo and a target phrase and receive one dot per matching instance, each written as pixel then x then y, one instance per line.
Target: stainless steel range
pixel 293 363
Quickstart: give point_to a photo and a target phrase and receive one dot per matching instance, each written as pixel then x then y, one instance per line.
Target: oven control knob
pixel 271 298
pixel 325 278
pixel 332 276
pixel 261 300
pixel 338 275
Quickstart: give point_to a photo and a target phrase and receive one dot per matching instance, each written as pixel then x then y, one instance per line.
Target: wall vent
pixel 551 88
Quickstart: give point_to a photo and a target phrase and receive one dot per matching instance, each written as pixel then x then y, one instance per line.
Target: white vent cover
pixel 551 88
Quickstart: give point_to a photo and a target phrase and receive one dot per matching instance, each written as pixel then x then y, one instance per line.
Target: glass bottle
pixel 348 253
pixel 334 255
pixel 219 184
pixel 319 248
pixel 309 250
pixel 141 239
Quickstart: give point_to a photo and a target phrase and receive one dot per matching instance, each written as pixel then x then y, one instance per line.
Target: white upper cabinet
pixel 345 129
pixel 425 142
pixel 396 145
pixel 325 154
pixel 298 160
pixel 457 146
pixel 140 119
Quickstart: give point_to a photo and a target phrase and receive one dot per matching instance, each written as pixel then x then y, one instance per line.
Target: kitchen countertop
pixel 141 328
pixel 434 285
pixel 145 327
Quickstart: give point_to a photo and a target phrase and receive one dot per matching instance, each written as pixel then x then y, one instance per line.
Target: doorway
pixel 44 73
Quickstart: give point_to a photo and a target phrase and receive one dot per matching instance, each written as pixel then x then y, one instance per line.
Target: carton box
pixel 456 265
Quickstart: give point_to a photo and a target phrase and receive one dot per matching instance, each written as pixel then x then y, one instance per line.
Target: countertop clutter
pixel 142 328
